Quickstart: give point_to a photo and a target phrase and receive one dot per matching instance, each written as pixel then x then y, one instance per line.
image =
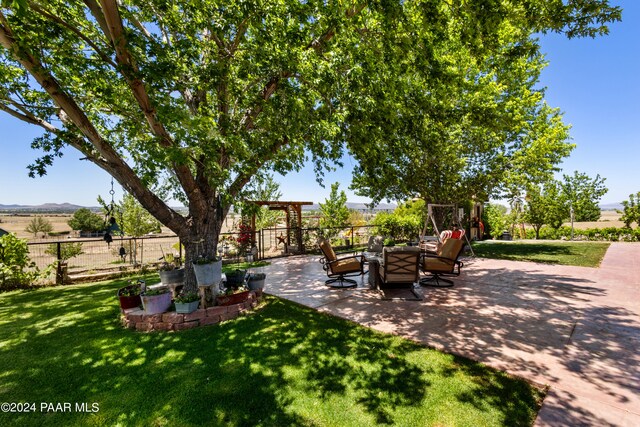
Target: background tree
pixel 494 216
pixel 404 223
pixel 631 210
pixel 263 188
pixel 334 212
pixel 584 194
pixel 85 220
pixel 191 100
pixel 136 220
pixel 544 206
pixel 483 131
pixel 39 224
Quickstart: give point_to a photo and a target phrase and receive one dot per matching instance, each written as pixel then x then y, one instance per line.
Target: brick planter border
pixel 135 318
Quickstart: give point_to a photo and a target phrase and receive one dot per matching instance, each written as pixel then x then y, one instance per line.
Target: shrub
pixel 612 234
pixel 68 250
pixel 16 268
pixel 400 227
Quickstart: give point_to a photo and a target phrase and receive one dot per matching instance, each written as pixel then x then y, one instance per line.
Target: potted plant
pixel 208 270
pixel 187 302
pixel 256 281
pixel 235 278
pixel 129 296
pixel 170 270
pixel 156 300
pixel 233 296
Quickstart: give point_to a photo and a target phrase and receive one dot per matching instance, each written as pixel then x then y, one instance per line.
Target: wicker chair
pixel 339 269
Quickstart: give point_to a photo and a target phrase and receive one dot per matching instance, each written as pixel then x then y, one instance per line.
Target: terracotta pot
pixel 127 302
pixel 233 298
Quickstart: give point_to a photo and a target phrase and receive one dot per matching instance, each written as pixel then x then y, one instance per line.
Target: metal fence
pixel 130 253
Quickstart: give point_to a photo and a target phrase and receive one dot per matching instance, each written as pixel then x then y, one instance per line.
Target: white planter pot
pixel 208 274
pixel 156 304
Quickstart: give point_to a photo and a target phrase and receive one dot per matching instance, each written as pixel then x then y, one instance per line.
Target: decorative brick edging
pixel 171 321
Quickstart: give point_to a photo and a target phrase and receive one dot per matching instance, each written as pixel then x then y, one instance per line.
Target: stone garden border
pixel 137 320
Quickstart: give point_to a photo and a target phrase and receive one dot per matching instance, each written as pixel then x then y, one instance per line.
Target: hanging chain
pixel 112 192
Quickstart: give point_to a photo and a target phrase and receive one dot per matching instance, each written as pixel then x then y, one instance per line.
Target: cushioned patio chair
pixel 339 269
pixel 375 244
pixel 400 269
pixel 444 263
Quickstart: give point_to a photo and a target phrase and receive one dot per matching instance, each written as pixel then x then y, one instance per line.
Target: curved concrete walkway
pixel 575 329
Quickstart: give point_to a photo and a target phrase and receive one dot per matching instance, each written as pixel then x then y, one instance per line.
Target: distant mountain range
pixel 68 207
pixel 355 206
pixel 611 206
pixel 46 207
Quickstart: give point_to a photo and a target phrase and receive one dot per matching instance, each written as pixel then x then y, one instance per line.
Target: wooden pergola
pixel 293 211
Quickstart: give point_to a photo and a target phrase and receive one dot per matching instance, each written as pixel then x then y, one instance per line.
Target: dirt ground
pixel 607 219
pixel 16 223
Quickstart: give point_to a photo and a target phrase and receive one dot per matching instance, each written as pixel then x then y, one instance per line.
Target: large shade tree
pixel 191 100
pixel 484 131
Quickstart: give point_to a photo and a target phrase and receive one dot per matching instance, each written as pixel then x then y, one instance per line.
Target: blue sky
pixel 593 81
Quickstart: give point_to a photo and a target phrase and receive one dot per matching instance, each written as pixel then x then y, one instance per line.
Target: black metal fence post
pixel 59 266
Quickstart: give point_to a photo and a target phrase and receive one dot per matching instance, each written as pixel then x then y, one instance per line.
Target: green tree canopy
pixel 583 194
pixel 194 99
pixel 334 212
pixel 631 210
pixel 85 220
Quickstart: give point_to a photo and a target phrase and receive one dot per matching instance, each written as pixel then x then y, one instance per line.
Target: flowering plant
pixel 245 233
pixel 233 290
pixel 186 297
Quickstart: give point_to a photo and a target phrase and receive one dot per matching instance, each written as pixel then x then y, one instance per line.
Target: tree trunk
pixel 200 240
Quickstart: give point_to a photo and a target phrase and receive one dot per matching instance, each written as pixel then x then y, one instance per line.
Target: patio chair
pixel 339 269
pixel 375 245
pixel 400 269
pixel 444 263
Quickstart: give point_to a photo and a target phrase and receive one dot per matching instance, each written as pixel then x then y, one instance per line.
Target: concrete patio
pixel 575 329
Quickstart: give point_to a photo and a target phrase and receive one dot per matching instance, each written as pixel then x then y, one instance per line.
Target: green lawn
pixel 583 254
pixel 282 365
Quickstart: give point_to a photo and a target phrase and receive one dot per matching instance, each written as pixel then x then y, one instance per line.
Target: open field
pixel 16 223
pixel 607 219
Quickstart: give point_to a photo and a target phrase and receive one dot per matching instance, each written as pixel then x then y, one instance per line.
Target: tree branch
pixel 242 29
pixel 28 118
pixel 129 71
pixel 77 32
pixel 250 170
pixel 96 11
pixel 113 162
pixel 271 86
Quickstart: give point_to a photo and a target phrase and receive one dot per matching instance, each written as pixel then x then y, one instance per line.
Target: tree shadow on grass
pixel 65 345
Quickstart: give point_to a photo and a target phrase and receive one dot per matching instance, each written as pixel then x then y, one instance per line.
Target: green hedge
pixel 610 234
